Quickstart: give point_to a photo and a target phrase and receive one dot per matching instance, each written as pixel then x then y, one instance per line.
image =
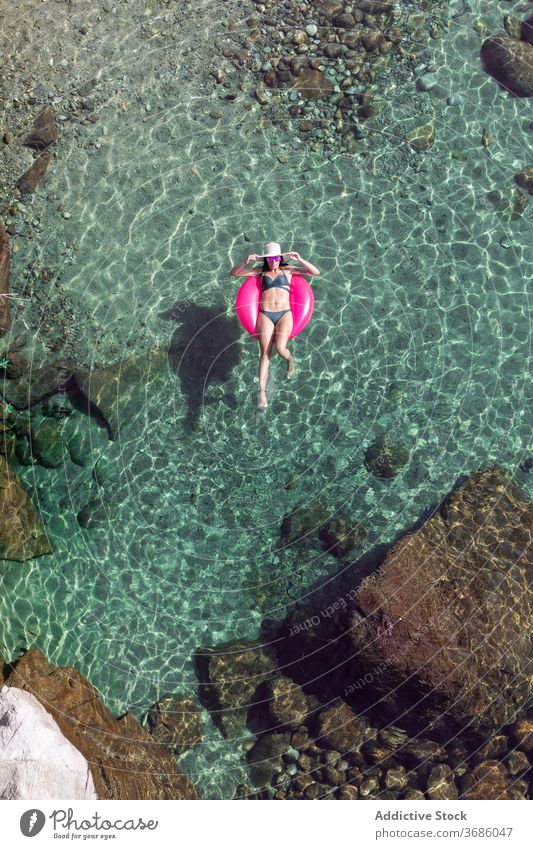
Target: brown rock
pixel 441 784
pixel 510 62
pixel 340 728
pixel 372 40
pixel 32 177
pixel 229 676
pixel 328 8
pixel 487 780
pixel 374 7
pixel 313 85
pixel 176 723
pixel 124 760
pixel 522 733
pixel 450 610
pixel 347 792
pixel 286 702
pixel 343 21
pixel 524 179
pixel 22 533
pixel 44 130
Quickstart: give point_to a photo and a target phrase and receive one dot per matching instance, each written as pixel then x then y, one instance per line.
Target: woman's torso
pixel 275 298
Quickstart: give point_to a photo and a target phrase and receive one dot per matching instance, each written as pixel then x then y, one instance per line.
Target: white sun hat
pixel 271 249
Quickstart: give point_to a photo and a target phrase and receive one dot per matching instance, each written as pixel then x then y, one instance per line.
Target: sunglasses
pixel 273 258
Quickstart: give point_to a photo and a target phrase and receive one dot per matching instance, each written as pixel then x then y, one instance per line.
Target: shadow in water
pixel 203 351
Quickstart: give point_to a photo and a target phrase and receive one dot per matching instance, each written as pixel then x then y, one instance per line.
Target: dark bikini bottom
pixel 274 316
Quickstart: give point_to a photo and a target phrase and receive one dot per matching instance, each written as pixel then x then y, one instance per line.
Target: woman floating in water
pixel 274 323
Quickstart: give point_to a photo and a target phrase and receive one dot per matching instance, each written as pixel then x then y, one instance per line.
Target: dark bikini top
pixel 277 282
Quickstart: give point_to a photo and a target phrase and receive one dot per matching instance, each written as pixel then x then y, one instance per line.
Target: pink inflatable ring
pixel 301 298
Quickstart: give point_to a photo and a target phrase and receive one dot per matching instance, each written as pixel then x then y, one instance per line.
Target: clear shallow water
pixel 415 290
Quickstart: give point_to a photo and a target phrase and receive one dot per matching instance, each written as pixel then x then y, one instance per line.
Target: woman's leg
pixel 265 335
pixel 281 336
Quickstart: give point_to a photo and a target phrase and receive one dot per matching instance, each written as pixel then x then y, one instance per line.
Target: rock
pixel 33 176
pixel 395 779
pixel 176 723
pixel 302 525
pixel 46 443
pixel 384 458
pixel 522 733
pixel 509 205
pixel 441 784
pixel 419 750
pixel 328 8
pixel 526 31
pixel 348 792
pixel 343 21
pixel 313 85
pixel 448 611
pixel 339 727
pixel 510 62
pixel 286 702
pixel 125 761
pixel 265 757
pixel 426 82
pixel 80 449
pixel 98 511
pixel 229 676
pixel 524 179
pixel 487 780
pixel 44 130
pixel 338 536
pixel 36 759
pixel 17 365
pixel 517 763
pixel 413 794
pixel 512 26
pixel 495 747
pixel 118 392
pixel 37 384
pixel 22 533
pixel 421 138
pixel 374 7
pixel 372 40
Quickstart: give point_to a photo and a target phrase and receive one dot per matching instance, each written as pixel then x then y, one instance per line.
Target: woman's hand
pixel 293 255
pixel 252 258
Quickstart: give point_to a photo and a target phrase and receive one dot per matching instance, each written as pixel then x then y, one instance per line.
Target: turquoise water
pixel 421 328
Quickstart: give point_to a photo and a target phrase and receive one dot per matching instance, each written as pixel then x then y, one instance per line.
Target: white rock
pixel 36 759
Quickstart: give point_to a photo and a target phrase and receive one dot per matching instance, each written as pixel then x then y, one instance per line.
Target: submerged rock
pixel 44 130
pixel 119 391
pixel 510 62
pixel 124 760
pixel 229 677
pixel 176 723
pixel 31 178
pixel 286 702
pixel 341 728
pixel 36 759
pixel 444 624
pixel 524 179
pixel 22 533
pixel 421 138
pixel 5 262
pixel 384 458
pixel 339 536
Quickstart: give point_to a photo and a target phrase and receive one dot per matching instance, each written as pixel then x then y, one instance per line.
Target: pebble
pixel 311 29
pixel 426 82
pixel 66 215
pixel 505 242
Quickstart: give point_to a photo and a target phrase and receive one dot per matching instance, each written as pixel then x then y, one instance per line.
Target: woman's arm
pixel 309 268
pixel 241 270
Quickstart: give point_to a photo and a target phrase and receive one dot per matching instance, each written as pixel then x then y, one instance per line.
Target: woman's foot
pixel 290 367
pixel 263 403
